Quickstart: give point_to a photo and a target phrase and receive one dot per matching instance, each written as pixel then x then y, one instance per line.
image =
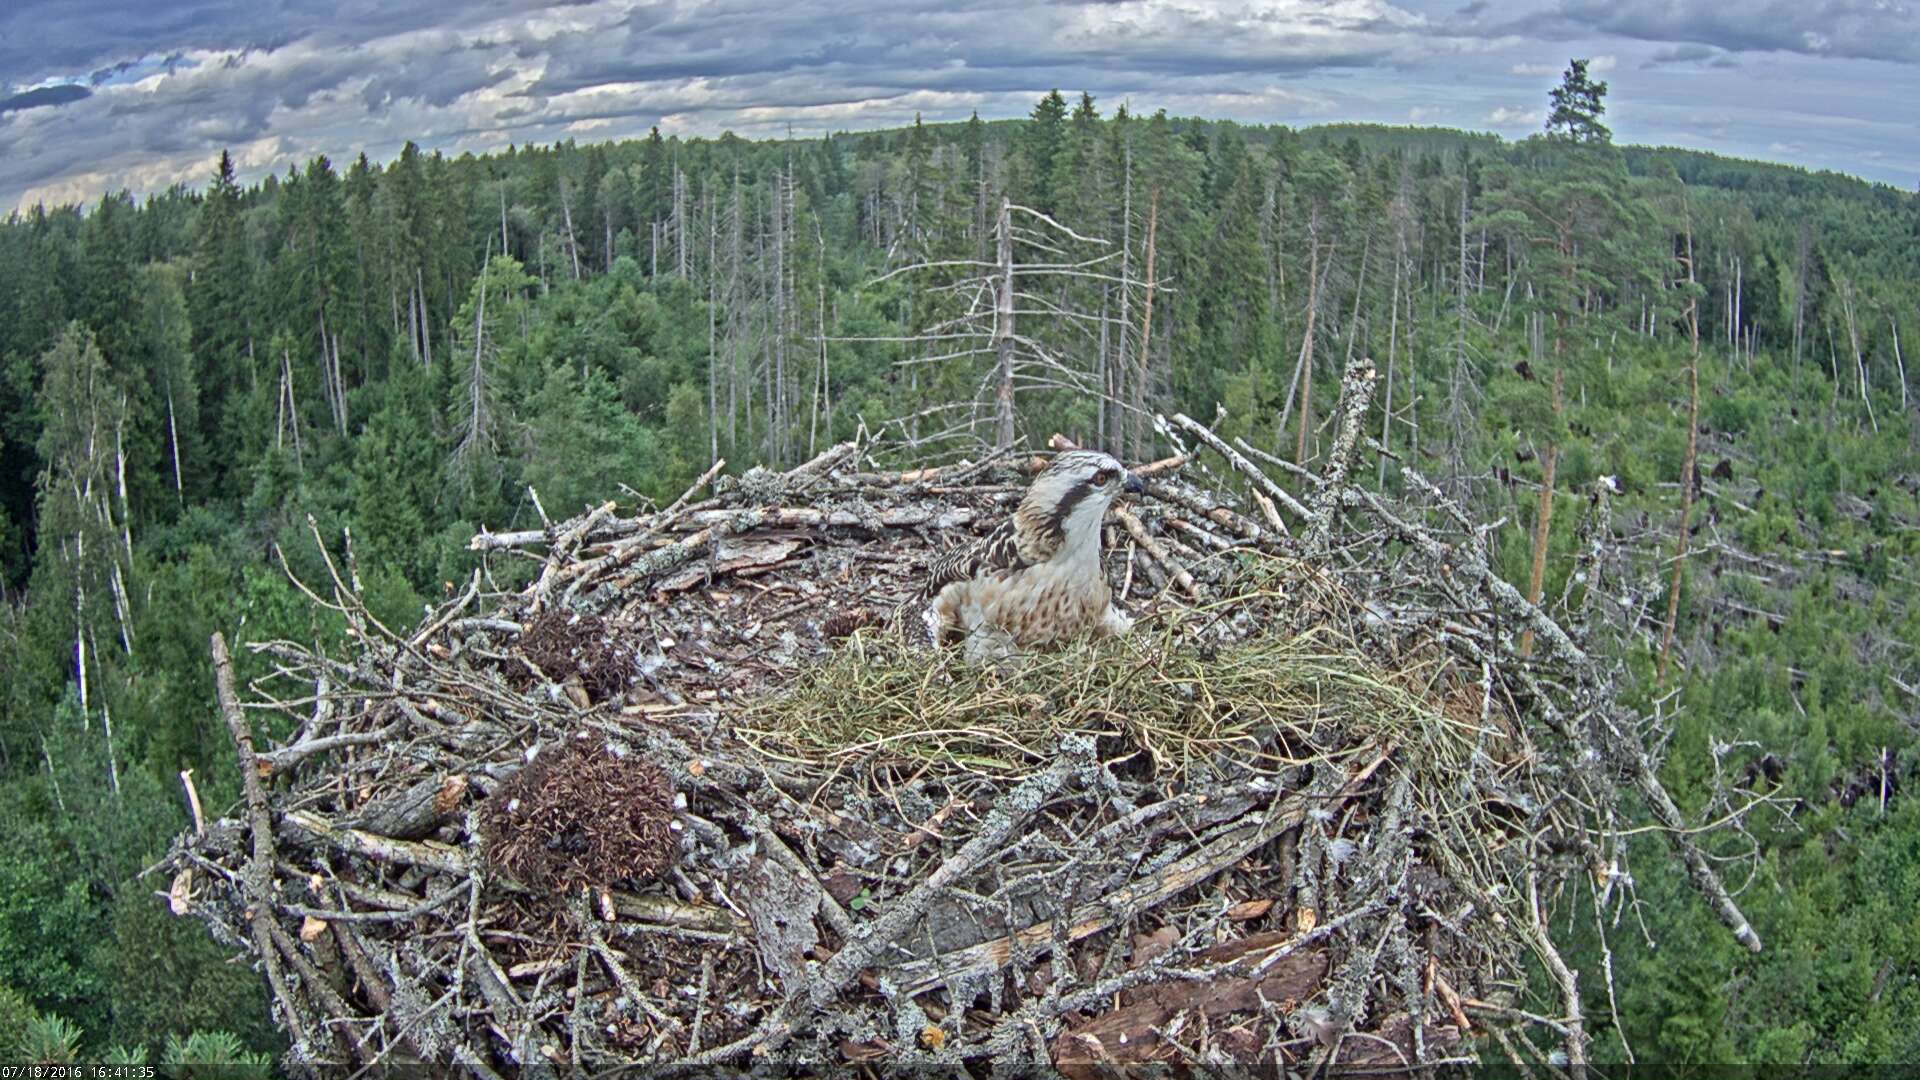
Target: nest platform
pixel 687 786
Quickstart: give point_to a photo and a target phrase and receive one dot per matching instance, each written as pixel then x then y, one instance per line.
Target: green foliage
pixel 1578 103
pixel 214 1055
pixel 403 351
pixel 50 1039
pixel 15 1015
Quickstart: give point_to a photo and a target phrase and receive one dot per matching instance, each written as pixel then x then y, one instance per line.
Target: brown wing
pixel 997 550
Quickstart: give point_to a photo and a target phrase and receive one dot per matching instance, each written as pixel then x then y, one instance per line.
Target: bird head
pixel 1071 495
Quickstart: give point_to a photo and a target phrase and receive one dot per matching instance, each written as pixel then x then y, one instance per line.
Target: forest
pixel 200 387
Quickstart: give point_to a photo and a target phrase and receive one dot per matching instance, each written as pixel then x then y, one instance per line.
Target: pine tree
pixel 1577 105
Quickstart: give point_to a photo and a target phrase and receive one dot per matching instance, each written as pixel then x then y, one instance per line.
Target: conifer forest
pixel 200 387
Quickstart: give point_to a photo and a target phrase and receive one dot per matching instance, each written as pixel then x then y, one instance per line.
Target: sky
pixel 101 95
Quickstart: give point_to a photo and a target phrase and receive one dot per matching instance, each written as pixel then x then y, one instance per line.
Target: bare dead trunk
pixel 1853 339
pixel 1003 332
pixel 1304 375
pixel 426 322
pixel 566 216
pixel 173 445
pixel 1900 364
pixel 1393 340
pixel 713 382
pixel 1140 376
pixel 1543 520
pixel 1687 471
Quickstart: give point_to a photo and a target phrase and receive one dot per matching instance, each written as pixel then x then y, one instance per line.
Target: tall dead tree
pixel 1305 364
pixel 1138 446
pixel 1013 327
pixel 1899 362
pixel 1689 464
pixel 1003 330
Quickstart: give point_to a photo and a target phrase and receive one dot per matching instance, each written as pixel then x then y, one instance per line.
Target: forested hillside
pixel 199 387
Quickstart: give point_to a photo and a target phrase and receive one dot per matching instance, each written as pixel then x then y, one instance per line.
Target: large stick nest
pixel 697 791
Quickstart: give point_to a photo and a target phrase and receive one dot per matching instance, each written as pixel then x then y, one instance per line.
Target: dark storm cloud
pixel 1858 29
pixel 43 97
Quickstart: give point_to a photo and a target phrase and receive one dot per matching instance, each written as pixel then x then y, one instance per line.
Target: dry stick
pixel 258 874
pixel 1575 1032
pixel 1204 506
pixel 1161 467
pixel 1313 479
pixel 1006 816
pixel 919 976
pixel 193 800
pixel 618 970
pixel 770 841
pixel 1261 481
pixel 706 478
pixel 860 951
pixel 902 517
pixel 1157 552
pixel 1506 599
pixel 1356 394
pixel 337 1009
pixel 557 553
pixel 280 760
pixel 302 825
pixel 455 608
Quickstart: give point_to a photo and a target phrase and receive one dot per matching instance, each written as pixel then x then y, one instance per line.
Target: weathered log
pixel 412 812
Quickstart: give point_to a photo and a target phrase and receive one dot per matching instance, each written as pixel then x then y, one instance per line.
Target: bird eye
pixel 1103 477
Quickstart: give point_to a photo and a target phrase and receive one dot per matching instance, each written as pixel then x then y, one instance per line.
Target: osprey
pixel 1037 579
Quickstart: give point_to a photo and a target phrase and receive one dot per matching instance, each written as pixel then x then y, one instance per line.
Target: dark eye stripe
pixel 1057 523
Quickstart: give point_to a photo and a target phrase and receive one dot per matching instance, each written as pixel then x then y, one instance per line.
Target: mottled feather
pixel 998 550
pixel 1037 578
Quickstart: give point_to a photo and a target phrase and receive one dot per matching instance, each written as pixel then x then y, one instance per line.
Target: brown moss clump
pixel 580 815
pixel 563 645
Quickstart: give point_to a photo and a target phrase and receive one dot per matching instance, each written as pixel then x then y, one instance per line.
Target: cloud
pixel 1689 54
pixel 1857 29
pixel 176 81
pixel 1598 65
pixel 43 96
pixel 316 77
pixel 1508 116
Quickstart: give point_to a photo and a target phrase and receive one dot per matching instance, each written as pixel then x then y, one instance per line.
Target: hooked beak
pixel 1134 485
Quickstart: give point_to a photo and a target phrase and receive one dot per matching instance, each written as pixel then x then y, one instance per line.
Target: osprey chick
pixel 1037 579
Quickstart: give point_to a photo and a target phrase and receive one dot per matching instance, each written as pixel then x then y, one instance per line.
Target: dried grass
pixel 1177 689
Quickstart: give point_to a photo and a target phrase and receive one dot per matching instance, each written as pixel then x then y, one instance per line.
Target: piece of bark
pixel 1128 1035
pixel 415 811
